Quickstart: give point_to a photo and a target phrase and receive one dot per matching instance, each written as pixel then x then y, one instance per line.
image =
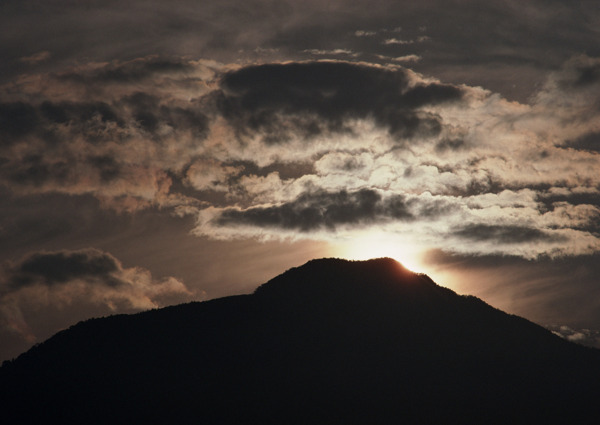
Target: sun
pixel 365 247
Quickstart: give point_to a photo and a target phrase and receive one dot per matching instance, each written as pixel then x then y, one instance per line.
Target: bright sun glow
pixel 381 245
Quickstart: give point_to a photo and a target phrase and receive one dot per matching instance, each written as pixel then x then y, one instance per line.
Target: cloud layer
pixel 321 147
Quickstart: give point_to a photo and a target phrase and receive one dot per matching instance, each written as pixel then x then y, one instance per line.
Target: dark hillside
pixel 328 342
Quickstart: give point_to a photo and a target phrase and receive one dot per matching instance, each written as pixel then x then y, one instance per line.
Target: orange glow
pixel 370 246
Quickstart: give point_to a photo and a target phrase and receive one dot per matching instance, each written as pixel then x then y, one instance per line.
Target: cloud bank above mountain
pixel 316 150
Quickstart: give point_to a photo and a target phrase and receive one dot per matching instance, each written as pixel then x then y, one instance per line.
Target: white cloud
pixel 363 33
pixel 397 41
pixel 581 336
pixel 407 58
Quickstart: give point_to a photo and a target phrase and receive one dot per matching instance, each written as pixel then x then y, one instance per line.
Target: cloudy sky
pixel 156 152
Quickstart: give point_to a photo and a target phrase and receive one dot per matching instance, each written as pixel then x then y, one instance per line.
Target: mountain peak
pixel 334 274
pixel 332 341
pixel 357 290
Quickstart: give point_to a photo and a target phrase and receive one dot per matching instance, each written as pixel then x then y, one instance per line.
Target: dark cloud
pixel 430 94
pixel 46 291
pixel 552 200
pixel 496 45
pixel 144 108
pixel 61 267
pixel 65 112
pixel 64 270
pixel 185 119
pixel 508 42
pixel 35 170
pixel 509 234
pixel 451 144
pixel 587 201
pixel 109 131
pixel 322 210
pixel 128 72
pixel 17 119
pixel 585 72
pixel 285 170
pixel 20 120
pixel 315 97
pixel 107 166
pixel 149 114
pixel 588 76
pixel 588 142
pixel 432 208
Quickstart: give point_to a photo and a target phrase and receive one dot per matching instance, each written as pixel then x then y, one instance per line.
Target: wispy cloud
pixel 36 58
pixel 394 40
pixel 332 52
pixel 364 33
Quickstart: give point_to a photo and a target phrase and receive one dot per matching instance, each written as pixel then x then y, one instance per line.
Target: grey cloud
pixel 149 114
pixel 65 112
pixel 64 272
pixel 128 72
pixel 61 267
pixel 322 210
pixel 584 200
pixel 287 170
pixel 498 45
pixel 17 119
pixel 430 94
pixel 588 75
pixel 93 120
pixel 551 200
pixel 506 234
pixel 580 72
pixel 190 119
pixel 432 209
pixel 46 291
pixel 452 144
pixel 144 108
pixel 587 337
pixel 34 170
pixel 232 191
pixel 587 142
pixel 20 120
pixel 86 144
pixel 315 97
pixel 107 166
pixel 483 35
pixel 36 57
pixel 246 168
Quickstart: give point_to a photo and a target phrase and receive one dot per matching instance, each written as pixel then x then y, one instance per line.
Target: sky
pixel 154 153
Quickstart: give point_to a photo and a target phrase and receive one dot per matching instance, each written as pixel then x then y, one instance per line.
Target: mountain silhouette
pixel 330 342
